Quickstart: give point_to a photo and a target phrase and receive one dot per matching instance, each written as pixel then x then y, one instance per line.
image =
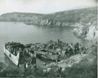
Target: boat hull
pixel 14 59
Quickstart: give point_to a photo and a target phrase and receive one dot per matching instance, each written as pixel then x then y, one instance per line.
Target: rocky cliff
pixel 62 19
pixel 87 28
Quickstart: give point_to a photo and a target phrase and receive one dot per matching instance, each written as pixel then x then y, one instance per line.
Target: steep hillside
pixel 87 27
pixel 64 18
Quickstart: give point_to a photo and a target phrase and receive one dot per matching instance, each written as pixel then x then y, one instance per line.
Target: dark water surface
pixel 20 32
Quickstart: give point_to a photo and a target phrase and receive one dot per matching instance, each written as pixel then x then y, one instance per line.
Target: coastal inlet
pixel 20 32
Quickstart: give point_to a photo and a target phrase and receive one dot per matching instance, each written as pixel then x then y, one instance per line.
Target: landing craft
pixel 14 59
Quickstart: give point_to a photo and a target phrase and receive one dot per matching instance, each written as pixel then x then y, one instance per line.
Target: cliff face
pixel 87 33
pixel 87 27
pixel 62 19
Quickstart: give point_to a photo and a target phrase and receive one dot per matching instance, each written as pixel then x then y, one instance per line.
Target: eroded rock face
pixel 87 28
pixel 92 33
pixel 89 33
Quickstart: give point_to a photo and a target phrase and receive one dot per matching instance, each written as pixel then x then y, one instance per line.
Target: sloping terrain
pixel 64 18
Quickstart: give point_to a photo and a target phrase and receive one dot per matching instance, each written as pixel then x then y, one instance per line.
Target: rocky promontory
pixel 58 19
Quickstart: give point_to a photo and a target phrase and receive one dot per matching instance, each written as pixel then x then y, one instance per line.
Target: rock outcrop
pixel 88 31
pixel 87 28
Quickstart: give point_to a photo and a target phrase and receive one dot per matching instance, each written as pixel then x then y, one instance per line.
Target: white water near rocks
pixel 20 32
